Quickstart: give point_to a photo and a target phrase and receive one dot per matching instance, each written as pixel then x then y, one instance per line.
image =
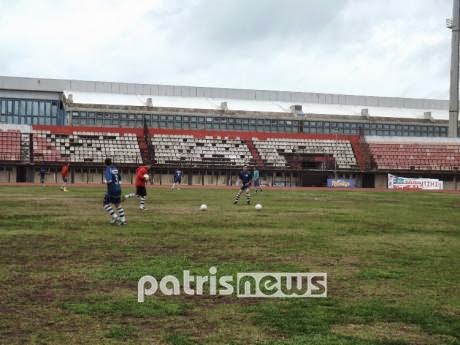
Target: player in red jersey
pixel 64 173
pixel 141 191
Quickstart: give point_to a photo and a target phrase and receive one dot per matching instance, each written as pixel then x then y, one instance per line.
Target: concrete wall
pixel 450 185
pixel 81 175
pixel 94 176
pixel 207 178
pixel 381 181
pixel 53 175
pixel 7 174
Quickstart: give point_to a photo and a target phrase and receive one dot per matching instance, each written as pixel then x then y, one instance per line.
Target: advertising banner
pixel 341 183
pixel 397 182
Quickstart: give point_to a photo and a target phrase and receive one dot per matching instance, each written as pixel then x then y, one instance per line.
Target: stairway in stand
pixel 26 147
pixel 146 146
pixel 362 153
pixel 143 146
pixel 255 154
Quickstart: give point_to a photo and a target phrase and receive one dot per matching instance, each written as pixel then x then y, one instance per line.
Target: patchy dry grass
pixel 67 276
pixel 388 331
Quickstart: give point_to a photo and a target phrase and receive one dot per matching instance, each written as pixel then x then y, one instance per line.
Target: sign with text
pixel 341 183
pixel 397 182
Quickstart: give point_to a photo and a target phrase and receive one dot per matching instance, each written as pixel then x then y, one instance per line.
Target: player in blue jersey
pixel 177 179
pixel 246 178
pixel 113 196
pixel 42 174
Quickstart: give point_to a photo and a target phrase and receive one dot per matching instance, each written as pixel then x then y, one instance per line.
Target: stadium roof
pixel 208 103
pixel 191 97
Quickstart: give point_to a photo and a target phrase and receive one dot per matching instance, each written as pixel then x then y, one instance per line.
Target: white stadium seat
pixel 91 147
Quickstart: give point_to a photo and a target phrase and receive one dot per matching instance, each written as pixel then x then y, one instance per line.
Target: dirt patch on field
pixel 391 331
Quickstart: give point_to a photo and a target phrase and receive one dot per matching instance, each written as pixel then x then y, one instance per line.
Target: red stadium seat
pixel 421 156
pixel 10 145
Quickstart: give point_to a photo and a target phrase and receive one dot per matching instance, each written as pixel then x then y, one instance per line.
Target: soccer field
pixel 68 276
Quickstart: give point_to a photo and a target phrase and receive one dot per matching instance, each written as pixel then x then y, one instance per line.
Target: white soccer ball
pixel 258 207
pixel 146 177
pixel 203 207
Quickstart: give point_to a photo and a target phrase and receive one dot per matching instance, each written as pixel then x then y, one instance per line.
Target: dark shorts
pixel 178 180
pixel 112 199
pixel 257 182
pixel 245 186
pixel 64 179
pixel 141 191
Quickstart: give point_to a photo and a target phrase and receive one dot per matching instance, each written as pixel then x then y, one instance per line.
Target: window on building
pixel 29 108
pixel 16 108
pixel 10 107
pixel 140 120
pixel 116 119
pixel 76 120
pixel 178 122
pixel 48 108
pixel 193 125
pixel 22 107
pixel 186 122
pixel 99 119
pixel 41 108
pixel 54 108
pixel 35 108
pixel 91 121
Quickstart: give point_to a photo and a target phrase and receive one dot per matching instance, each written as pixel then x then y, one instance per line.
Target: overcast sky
pixel 372 47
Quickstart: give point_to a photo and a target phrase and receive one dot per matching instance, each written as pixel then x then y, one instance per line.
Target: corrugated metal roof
pixel 58 85
pixel 248 105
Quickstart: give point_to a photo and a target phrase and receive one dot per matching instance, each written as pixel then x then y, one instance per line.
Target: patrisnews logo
pixel 248 285
pixel 281 285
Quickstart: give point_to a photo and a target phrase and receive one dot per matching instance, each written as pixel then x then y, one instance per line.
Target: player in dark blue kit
pixel 42 175
pixel 177 179
pixel 246 178
pixel 113 195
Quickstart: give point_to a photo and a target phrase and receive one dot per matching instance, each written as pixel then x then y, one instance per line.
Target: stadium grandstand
pixel 294 138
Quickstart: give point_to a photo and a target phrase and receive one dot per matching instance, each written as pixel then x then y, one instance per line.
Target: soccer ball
pixel 203 207
pixel 258 207
pixel 146 177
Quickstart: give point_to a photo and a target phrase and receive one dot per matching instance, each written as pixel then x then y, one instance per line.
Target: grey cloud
pixel 391 47
pixel 239 22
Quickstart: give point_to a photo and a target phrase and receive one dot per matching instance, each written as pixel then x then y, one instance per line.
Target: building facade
pixel 35 101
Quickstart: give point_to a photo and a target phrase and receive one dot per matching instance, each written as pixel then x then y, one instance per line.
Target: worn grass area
pixel 67 276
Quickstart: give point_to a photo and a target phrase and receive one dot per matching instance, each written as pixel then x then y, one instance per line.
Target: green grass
pixel 67 276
